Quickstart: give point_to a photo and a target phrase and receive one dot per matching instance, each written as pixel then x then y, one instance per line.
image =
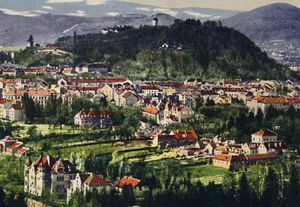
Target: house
pixel 149 90
pixel 93 82
pixel 151 112
pixel 250 148
pixel 48 173
pixel 175 113
pixel 92 68
pixel 176 138
pixel 92 118
pixel 222 100
pixel 89 183
pixel 273 146
pixel 11 111
pixel 108 91
pixel 264 135
pixel 11 146
pixel 126 98
pixel 263 102
pixel 40 96
pixel 231 162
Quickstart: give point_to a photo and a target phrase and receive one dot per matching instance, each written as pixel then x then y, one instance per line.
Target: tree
pixel 29 107
pixel 128 195
pixel 270 195
pixel 259 118
pixel 244 195
pixel 2 196
pixel 293 189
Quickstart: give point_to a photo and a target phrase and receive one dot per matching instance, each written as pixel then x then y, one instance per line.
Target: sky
pixel 220 4
pixel 84 7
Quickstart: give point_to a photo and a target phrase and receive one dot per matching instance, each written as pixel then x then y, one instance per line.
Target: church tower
pixel 30 41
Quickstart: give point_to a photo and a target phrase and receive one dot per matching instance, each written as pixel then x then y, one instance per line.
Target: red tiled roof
pixel 3 101
pixel 127 181
pixel 97 180
pixel 22 151
pixel 184 134
pixel 271 155
pixel 265 132
pixel 150 109
pixel 149 87
pixel 275 100
pixel 14 146
pixel 8 139
pixel 96 80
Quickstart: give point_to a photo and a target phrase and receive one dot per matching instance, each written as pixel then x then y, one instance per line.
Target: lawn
pixel 99 149
pixel 45 129
pixel 206 173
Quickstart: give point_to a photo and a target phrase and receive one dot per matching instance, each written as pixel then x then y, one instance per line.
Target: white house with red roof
pixel 176 138
pixel 10 110
pixel 264 135
pixel 92 118
pixel 48 173
pixel 89 182
pixel 175 113
pixel 11 146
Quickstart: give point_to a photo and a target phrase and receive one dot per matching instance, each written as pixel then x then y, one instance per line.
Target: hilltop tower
pixel 155 21
pixel 30 41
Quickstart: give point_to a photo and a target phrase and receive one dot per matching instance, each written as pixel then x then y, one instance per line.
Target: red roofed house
pixel 48 173
pixel 11 146
pixel 151 112
pixel 263 102
pixel 264 135
pixel 92 118
pixel 125 98
pixel 11 111
pixel 231 162
pixel 175 113
pixel 127 181
pixel 176 138
pixel 88 183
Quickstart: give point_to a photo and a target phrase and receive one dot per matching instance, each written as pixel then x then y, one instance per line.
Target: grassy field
pixel 99 149
pixel 206 173
pixel 45 129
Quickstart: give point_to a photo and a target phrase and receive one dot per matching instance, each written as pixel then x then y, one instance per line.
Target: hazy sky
pixel 85 7
pixel 223 4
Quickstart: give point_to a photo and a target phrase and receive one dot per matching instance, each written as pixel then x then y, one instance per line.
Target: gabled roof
pixel 184 134
pixel 265 132
pixel 22 151
pixel 127 181
pixel 8 139
pixel 97 180
pixel 14 146
pixel 66 165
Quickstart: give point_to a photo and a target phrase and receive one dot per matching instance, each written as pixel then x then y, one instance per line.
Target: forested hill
pixel 204 50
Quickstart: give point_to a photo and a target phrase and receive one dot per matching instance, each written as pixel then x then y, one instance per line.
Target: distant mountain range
pixel 278 21
pixel 14 30
pixel 272 22
pixel 83 18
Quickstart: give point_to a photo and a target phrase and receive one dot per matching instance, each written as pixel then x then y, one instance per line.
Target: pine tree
pixel 293 189
pixel 244 195
pixel 270 195
pixel 2 196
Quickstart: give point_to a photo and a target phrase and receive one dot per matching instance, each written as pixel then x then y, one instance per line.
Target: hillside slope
pixel 205 50
pixel 271 22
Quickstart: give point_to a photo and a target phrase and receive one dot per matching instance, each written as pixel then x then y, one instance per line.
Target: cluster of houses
pixel 61 177
pixel 264 147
